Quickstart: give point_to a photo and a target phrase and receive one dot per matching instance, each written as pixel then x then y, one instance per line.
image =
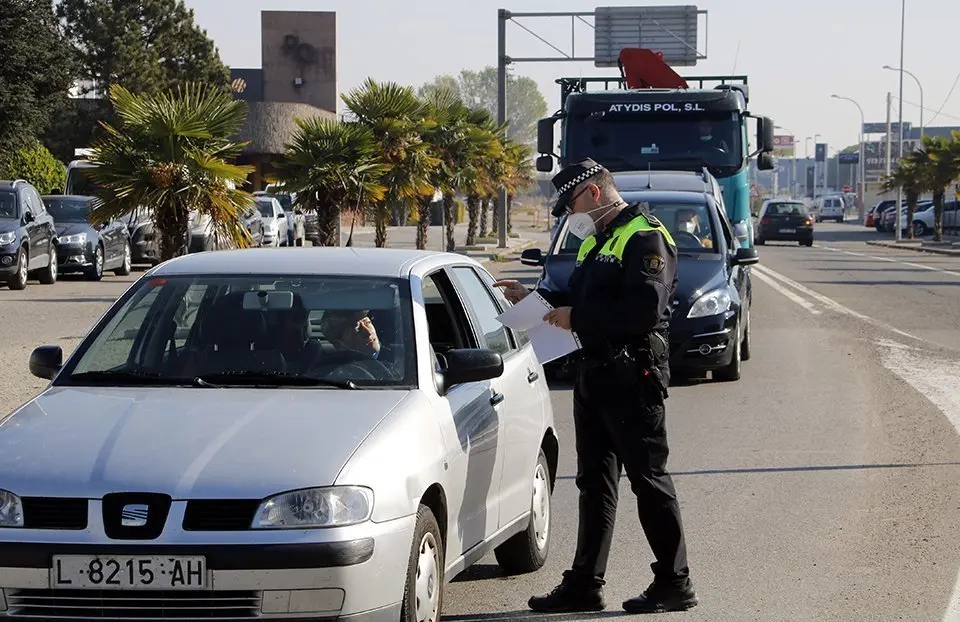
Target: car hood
pixel 73 228
pixel 189 443
pixel 8 224
pixel 698 274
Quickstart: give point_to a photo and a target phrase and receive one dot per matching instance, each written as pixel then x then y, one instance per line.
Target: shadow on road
pixel 891 282
pixel 850 232
pixel 530 615
pixel 65 300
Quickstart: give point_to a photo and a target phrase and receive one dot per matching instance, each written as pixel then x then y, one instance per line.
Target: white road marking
pixel 888 259
pixel 786 292
pixel 934 378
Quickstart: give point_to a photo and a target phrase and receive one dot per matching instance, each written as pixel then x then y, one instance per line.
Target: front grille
pixel 135 605
pixel 54 513
pixel 219 514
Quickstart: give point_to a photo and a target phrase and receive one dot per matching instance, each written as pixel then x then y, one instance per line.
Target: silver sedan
pixel 319 434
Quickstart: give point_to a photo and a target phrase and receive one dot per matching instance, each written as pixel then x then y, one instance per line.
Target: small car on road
pixel 86 248
pixel 785 220
pixel 323 434
pixel 28 239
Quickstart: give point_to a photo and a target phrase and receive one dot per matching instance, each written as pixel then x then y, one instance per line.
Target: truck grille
pixel 219 514
pixel 132 605
pixel 54 513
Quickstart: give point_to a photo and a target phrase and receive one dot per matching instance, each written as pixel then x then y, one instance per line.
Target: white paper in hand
pixel 549 342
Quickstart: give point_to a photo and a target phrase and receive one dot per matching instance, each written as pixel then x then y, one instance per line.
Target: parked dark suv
pixel 28 238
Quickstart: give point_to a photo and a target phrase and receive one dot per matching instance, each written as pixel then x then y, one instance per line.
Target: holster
pixel 643 363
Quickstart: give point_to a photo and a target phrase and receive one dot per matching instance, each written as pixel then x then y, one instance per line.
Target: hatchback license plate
pixel 788 231
pixel 128 572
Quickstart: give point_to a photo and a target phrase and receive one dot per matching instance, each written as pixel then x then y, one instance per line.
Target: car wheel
pixel 124 268
pixel 759 242
pixel 19 279
pixel 48 276
pixel 919 229
pixel 95 272
pixel 745 343
pixel 808 243
pixel 423 591
pixel 527 550
pixel 731 372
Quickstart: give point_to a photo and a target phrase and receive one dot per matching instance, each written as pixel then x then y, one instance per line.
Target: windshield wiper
pixel 128 378
pixel 271 379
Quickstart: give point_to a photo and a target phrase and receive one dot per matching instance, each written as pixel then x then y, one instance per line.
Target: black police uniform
pixel 621 307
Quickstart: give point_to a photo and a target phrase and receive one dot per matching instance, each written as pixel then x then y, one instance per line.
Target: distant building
pixel 298 80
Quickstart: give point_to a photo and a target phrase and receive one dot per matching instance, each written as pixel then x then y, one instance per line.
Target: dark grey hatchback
pixel 27 236
pixel 86 248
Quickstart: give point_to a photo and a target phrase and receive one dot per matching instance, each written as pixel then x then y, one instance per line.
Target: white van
pixel 830 208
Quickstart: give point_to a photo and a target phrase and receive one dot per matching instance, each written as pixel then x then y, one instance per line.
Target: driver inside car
pixel 688 221
pixel 705 127
pixel 351 330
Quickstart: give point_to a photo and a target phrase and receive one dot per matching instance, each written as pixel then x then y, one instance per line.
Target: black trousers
pixel 620 425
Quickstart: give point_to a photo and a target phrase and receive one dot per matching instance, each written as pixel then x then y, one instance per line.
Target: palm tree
pixel 939 166
pixel 397 119
pixel 907 178
pixel 519 174
pixel 170 153
pixel 484 165
pixel 332 165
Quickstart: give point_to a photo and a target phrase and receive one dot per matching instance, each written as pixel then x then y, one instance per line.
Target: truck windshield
pixel 80 182
pixel 629 142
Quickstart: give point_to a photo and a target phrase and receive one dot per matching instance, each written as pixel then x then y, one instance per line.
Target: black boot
pixel 571 596
pixel 659 598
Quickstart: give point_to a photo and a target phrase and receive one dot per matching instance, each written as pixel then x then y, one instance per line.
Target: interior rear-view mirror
pixel 267 301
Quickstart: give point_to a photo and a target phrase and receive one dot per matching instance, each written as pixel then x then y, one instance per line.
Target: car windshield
pixel 8 205
pixel 68 210
pixel 266 208
pixel 689 225
pixel 254 330
pixel 631 142
pixel 788 209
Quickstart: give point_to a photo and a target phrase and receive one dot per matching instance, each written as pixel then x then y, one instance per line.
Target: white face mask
pixel 583 225
pixel 689 226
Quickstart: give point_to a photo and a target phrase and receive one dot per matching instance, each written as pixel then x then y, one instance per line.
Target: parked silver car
pixel 327 433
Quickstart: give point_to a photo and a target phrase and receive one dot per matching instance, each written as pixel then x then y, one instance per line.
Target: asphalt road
pixel 825 485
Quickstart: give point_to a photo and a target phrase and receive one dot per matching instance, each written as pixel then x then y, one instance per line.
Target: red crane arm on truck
pixel 644 69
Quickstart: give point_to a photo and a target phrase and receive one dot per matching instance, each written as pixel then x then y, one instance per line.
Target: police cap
pixel 569 178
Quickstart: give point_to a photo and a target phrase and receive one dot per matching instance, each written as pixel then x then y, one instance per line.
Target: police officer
pixel 619 304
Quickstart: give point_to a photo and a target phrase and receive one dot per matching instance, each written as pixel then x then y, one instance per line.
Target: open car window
pixel 309 328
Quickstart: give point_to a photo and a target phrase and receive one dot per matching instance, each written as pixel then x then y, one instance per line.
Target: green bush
pixel 37 165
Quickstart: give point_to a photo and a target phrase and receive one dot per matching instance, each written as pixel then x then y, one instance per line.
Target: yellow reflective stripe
pixel 585 247
pixel 621 235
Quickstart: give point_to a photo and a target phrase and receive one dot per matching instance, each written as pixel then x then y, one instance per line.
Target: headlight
pixel 77 238
pixel 712 303
pixel 315 507
pixel 7 237
pixel 11 510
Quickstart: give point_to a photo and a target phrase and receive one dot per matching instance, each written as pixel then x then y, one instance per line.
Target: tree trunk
pixel 327 225
pixel 495 217
pixel 484 206
pixel 423 221
pixel 382 220
pixel 448 207
pixel 938 215
pixel 473 208
pixel 509 212
pixel 172 224
pixel 911 208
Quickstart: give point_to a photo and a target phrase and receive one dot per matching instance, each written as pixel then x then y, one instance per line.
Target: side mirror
pixel 746 256
pixel 532 257
pixel 766 162
pixel 545 135
pixel 545 164
pixel 46 361
pixel 28 217
pixel 765 134
pixel 470 365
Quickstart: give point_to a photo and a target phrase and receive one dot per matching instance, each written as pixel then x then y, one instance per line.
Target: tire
pixel 732 371
pixel 95 272
pixel 759 242
pixel 423 589
pixel 19 279
pixel 48 275
pixel 919 229
pixel 527 551
pixel 745 342
pixel 124 268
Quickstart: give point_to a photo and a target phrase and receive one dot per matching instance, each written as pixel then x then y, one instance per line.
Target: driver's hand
pixel 512 290
pixel 367 335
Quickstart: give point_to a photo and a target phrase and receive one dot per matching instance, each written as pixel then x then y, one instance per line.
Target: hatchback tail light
pixel 765 220
pixel 808 222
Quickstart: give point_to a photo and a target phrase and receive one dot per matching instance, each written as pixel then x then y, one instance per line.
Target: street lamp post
pixel 806 159
pixel 816 169
pixel 903 24
pixel 919 86
pixel 863 187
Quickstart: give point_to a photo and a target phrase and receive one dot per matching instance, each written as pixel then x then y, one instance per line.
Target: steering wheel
pixel 348 359
pixel 678 235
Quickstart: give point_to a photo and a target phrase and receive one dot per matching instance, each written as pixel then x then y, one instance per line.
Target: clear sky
pixel 795 52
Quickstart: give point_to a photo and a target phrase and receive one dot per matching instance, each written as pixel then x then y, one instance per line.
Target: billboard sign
pixel 670 30
pixel 821 152
pixel 849 158
pixel 881 128
pixel 784 146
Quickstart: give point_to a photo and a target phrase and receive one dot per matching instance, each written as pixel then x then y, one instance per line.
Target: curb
pixel 511 252
pixel 916 248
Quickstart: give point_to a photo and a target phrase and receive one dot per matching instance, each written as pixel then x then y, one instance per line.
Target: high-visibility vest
pixel 621 235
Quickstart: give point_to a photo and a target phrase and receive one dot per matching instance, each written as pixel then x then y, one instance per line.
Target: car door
pixel 36 233
pixel 469 422
pixel 46 225
pixel 525 395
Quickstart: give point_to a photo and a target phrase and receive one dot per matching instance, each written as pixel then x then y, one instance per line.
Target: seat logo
pixel 134 515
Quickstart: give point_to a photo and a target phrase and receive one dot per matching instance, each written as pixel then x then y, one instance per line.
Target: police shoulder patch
pixel 653 264
pixel 654 222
